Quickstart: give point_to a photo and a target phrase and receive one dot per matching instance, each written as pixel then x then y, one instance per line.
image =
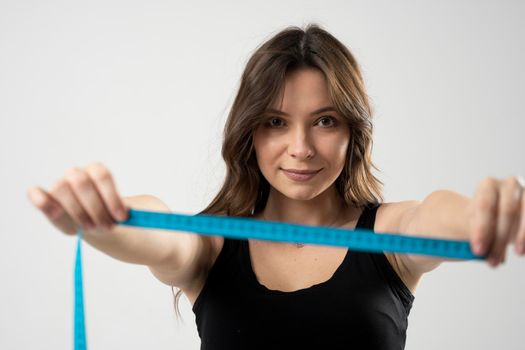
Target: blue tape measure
pixel 79 328
pixel 244 228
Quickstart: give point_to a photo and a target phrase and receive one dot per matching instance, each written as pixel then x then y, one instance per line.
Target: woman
pixel 297 146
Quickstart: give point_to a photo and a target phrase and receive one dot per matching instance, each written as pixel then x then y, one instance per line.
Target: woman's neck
pixel 327 209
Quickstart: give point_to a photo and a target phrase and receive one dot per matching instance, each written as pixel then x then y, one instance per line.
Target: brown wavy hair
pixel 245 190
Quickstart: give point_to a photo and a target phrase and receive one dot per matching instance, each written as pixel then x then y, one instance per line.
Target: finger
pixel 515 229
pixel 62 192
pixel 105 185
pixel 519 243
pixel 485 215
pixel 88 196
pixel 53 210
pixel 508 210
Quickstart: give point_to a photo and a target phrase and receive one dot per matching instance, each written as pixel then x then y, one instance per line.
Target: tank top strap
pixel 382 266
pixel 229 256
pixel 368 216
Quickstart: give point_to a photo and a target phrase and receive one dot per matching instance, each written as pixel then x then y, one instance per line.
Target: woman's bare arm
pixel 173 257
pixel 87 197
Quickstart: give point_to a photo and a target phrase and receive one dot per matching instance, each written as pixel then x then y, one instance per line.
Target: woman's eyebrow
pixel 320 110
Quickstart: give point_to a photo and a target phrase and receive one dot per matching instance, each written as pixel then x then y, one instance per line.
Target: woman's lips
pixel 300 176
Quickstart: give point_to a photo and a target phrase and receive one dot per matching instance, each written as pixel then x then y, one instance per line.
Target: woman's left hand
pixel 497 218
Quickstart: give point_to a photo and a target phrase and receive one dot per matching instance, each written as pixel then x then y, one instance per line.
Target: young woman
pixel 297 146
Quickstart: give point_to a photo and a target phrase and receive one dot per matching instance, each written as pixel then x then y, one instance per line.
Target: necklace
pixel 300 245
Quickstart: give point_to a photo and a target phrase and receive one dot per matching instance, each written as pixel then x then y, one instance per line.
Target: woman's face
pixel 302 138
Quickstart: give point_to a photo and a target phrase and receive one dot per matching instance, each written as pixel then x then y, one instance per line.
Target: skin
pixel 303 141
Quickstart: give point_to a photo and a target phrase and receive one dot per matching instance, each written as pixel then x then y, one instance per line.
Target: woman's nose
pixel 300 145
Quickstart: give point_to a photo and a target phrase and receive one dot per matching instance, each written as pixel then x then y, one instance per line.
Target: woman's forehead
pixel 304 91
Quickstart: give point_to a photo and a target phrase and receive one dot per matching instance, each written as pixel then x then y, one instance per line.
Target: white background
pixel 145 87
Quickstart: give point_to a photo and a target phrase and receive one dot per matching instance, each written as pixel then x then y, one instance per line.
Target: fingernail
pixel 478 248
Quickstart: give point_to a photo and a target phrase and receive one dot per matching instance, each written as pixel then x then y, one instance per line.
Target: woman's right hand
pixel 84 197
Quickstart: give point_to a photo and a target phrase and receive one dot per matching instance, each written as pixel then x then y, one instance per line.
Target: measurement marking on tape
pixel 244 228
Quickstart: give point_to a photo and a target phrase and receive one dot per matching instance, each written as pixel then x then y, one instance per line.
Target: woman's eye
pixel 330 119
pixel 274 122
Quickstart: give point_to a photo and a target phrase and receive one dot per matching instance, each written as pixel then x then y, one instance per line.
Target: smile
pixel 300 176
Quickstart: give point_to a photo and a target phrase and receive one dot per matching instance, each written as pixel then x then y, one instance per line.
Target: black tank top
pixel 364 305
